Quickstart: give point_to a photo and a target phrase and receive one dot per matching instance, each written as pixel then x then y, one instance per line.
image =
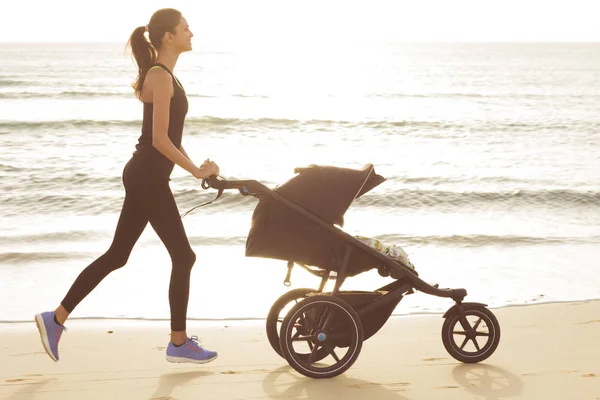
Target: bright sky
pixel 253 21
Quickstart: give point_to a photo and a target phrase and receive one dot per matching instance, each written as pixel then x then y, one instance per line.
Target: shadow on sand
pixel 492 382
pixel 168 382
pixel 286 383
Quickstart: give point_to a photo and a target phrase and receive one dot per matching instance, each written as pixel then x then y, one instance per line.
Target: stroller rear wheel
pixel 278 311
pixel 313 329
pixel 477 340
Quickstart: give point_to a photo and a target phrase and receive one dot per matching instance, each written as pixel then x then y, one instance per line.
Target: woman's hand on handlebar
pixel 207 169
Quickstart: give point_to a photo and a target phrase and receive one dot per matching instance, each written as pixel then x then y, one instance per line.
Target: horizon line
pixel 595 41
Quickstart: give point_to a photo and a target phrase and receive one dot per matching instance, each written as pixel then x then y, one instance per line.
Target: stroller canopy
pixel 282 233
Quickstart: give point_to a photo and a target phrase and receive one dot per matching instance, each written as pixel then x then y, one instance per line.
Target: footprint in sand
pixel 15 380
pixel 589 322
pixel 433 359
pixel 398 386
pixel 590 376
pixel 28 354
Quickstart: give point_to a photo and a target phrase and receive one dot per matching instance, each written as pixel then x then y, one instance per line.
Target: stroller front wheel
pixel 474 339
pixel 327 330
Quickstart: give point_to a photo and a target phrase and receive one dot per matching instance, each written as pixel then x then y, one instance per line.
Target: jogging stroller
pixel 321 335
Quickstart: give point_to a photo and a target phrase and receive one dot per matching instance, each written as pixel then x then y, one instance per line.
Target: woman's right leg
pixel 129 228
pixel 132 222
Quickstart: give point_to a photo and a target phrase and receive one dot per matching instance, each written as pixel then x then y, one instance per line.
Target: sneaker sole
pixel 39 321
pixel 190 360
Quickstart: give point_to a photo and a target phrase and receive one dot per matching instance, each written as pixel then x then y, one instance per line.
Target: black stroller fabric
pixel 280 232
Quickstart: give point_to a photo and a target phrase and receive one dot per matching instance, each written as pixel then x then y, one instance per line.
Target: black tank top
pixel 154 161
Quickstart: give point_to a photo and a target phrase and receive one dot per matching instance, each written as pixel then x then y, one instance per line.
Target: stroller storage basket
pixel 373 320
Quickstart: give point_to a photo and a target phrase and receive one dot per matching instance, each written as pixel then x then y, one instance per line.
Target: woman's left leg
pixel 164 217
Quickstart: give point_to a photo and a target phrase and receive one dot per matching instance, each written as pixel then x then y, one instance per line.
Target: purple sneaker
pixel 189 352
pixel 50 333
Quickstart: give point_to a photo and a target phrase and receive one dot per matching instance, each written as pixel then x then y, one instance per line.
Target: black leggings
pixel 146 200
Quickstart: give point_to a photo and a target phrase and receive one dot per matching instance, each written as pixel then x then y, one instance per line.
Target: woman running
pixel 148 197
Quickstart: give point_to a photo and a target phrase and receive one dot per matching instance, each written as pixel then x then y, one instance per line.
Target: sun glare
pixel 257 23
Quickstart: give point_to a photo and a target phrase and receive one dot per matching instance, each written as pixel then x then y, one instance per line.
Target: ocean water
pixel 491 154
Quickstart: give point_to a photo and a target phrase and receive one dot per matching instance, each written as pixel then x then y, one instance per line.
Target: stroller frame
pixel 406 281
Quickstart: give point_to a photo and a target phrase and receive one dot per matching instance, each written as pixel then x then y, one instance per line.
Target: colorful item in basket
pixel 390 250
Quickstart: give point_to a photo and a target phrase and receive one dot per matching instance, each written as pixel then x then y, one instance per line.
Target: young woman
pixel 148 197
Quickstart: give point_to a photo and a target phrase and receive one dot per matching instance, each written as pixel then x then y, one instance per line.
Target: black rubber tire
pixel 346 314
pixel 273 316
pixel 448 331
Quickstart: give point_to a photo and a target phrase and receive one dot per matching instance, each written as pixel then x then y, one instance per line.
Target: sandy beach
pixel 547 351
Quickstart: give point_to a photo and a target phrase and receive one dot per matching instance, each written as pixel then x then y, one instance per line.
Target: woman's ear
pixel 168 37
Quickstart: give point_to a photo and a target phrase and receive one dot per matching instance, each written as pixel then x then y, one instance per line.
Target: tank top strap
pixel 159 65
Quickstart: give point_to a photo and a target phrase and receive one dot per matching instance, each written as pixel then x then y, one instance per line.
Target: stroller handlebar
pixel 246 187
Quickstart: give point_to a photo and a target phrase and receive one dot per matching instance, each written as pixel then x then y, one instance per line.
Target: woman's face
pixel 182 39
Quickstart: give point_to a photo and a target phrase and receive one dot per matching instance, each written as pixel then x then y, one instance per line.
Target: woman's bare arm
pixel 162 90
pixel 182 150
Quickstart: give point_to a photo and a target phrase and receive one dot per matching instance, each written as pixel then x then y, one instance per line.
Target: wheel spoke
pixel 482 334
pixel 302 339
pixel 464 322
pixel 459 332
pixel 328 319
pixel 464 343
pixel 313 355
pixel 477 324
pixel 331 350
pixel 338 335
pixel 476 344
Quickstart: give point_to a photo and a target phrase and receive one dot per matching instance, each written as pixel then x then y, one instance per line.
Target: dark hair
pixel 144 51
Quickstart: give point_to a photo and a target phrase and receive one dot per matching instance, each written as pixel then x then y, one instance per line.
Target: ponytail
pixel 145 51
pixel 145 56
